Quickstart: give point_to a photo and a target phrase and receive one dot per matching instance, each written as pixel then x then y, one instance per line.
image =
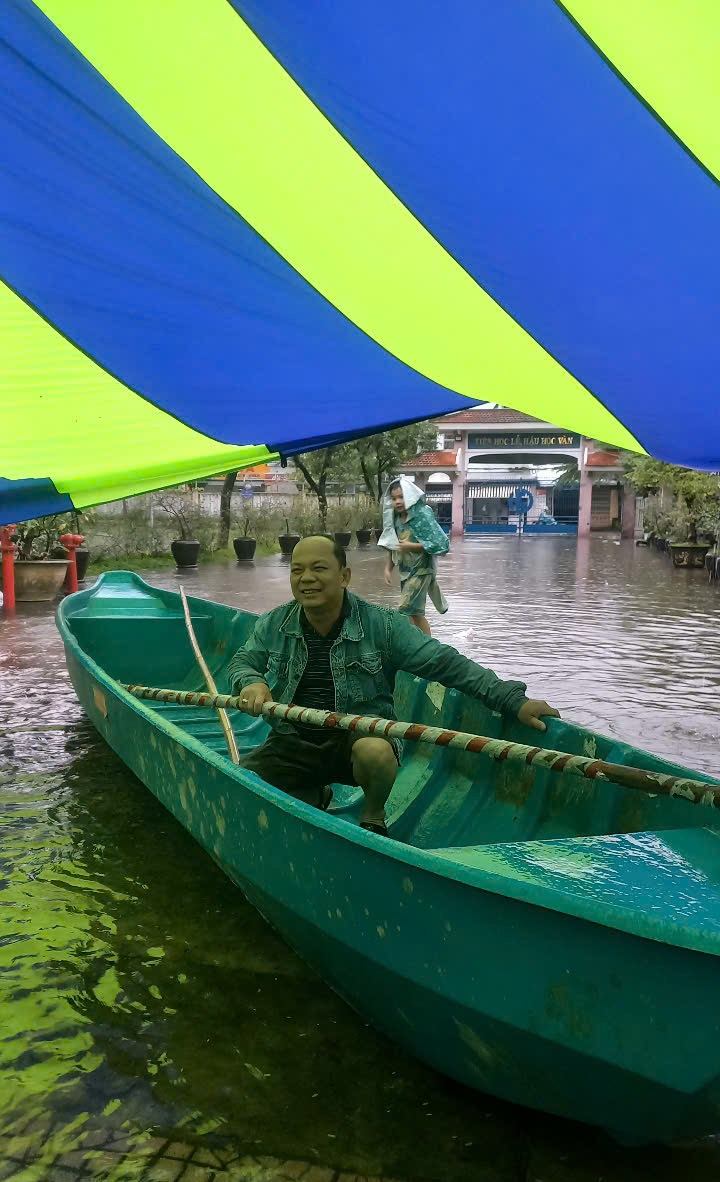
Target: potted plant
pixel 363 532
pixel 186 548
pixel 685 548
pixel 288 541
pixel 245 546
pixel 38 576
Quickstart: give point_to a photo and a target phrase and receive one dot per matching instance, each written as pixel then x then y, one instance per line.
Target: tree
pixel 697 493
pixel 380 456
pixel 225 508
pixel 569 473
pixel 647 475
pixel 316 467
pixel 372 459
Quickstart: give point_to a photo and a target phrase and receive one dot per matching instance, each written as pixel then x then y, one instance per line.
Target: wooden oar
pixel 655 783
pixel 210 683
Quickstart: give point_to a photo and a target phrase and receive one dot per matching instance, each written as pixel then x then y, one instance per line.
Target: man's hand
pixel 531 712
pixel 254 697
pixel 388 575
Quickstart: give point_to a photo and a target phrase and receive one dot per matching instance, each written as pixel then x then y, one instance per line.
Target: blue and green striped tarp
pixel 232 229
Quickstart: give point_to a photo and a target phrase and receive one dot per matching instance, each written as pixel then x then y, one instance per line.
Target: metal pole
pixel 8 550
pixel 654 783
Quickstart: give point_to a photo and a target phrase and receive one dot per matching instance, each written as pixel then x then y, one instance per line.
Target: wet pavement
pixel 155 1028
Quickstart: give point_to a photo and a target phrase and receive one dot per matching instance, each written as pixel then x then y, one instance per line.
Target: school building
pixel 488 460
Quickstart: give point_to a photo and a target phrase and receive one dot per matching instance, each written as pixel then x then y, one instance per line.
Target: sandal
pixel 373 827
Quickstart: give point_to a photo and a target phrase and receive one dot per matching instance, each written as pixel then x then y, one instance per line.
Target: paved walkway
pixel 156 1160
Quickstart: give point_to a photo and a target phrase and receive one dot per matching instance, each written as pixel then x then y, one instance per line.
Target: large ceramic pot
pixel 343 537
pixel 82 558
pixel 244 548
pixel 288 542
pixel 688 553
pixel 39 581
pixel 377 534
pixel 363 536
pixel 184 552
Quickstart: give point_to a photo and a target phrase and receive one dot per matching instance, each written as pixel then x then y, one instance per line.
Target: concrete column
pixel 627 528
pixel 421 479
pixel 614 504
pixel 585 505
pixel 458 505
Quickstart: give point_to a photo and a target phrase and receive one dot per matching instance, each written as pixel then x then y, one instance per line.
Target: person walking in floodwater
pixel 413 539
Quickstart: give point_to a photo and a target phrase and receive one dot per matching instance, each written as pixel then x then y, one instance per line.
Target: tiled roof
pixel 483 415
pixel 602 459
pixel 432 459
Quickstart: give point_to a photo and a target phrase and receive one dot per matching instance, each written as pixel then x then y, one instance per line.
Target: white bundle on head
pixel 411 495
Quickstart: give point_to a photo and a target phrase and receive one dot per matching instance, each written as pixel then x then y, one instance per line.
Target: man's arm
pixel 426 657
pixel 250 662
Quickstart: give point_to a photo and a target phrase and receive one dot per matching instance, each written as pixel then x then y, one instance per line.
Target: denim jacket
pixel 374 644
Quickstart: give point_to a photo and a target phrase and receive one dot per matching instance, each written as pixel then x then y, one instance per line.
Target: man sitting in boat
pixel 332 650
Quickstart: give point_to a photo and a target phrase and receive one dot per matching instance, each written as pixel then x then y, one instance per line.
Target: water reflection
pixel 142 992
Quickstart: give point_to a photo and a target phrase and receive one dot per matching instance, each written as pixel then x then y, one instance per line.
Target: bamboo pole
pixel 222 713
pixel 654 783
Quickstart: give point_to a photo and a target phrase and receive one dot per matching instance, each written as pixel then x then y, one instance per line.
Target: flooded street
pixel 146 1005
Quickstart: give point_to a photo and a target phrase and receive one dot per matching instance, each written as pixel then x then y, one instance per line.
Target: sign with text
pixel 523 440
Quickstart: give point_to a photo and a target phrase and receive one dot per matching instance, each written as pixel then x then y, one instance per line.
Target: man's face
pixel 398 501
pixel 316 578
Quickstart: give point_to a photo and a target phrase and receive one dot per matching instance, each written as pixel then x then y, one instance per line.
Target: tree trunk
pixel 367 476
pixel 322 502
pixel 225 506
pixel 318 486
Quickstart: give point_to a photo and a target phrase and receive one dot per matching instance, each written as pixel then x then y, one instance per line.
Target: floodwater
pixel 142 994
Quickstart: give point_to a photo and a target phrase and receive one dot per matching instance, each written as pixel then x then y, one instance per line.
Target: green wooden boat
pixel 552 941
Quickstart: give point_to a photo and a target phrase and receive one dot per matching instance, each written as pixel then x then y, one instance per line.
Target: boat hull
pixel 535 1006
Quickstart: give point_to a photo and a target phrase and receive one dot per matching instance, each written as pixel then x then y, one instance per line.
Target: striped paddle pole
pixel 654 783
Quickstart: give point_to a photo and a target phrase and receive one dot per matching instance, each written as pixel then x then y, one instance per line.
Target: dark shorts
pixel 302 768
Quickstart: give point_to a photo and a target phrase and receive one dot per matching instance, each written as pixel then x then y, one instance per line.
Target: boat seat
pixel 151 648
pixel 671 877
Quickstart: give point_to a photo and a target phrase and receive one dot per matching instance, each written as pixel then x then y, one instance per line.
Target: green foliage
pixel 372 461
pixel 569 474
pixel 647 475
pixel 340 519
pixel 177 503
pixel 708 520
pixel 36 538
pixel 365 515
pixel 307 522
pixel 131 534
pixel 697 497
pixel 657 521
pixel 380 456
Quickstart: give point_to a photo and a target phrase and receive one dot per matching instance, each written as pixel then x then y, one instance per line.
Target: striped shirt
pixel 316 687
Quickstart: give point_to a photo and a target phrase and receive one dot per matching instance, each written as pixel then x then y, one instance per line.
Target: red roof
pixel 483 415
pixel 432 459
pixel 602 459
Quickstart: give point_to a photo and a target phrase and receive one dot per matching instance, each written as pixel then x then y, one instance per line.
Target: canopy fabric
pixel 237 229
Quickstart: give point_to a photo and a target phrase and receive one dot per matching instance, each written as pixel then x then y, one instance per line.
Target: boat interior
pixel 454 803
